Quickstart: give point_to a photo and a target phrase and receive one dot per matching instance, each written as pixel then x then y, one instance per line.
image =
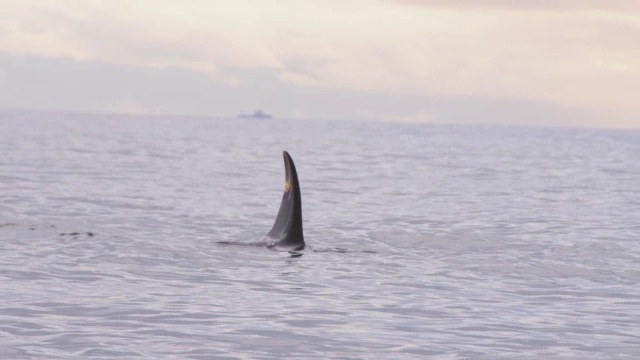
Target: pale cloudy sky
pixel 562 62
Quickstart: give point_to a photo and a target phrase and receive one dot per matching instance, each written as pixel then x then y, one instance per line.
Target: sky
pixel 546 62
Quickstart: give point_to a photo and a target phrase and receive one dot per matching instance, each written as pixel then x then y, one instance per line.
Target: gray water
pixel 461 241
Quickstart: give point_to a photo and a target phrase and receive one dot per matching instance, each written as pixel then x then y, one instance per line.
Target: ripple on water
pixel 520 243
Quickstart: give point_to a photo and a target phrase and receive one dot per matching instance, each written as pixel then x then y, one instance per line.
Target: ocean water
pixel 460 242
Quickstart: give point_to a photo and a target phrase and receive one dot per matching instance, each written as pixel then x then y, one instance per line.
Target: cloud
pixel 98 33
pixel 35 82
pixel 542 5
pixel 579 54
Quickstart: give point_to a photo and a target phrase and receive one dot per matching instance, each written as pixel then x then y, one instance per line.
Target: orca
pixel 286 233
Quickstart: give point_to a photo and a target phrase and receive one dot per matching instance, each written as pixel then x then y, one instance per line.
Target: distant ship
pixel 258 114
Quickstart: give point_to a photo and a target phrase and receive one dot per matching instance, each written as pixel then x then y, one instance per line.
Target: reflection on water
pixel 447 241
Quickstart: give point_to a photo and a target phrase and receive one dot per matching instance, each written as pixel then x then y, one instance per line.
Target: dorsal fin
pixel 286 233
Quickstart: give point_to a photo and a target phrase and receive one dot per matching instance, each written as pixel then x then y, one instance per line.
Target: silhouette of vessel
pixel 258 114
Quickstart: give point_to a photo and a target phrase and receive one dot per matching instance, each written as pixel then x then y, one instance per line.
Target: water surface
pixel 463 241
